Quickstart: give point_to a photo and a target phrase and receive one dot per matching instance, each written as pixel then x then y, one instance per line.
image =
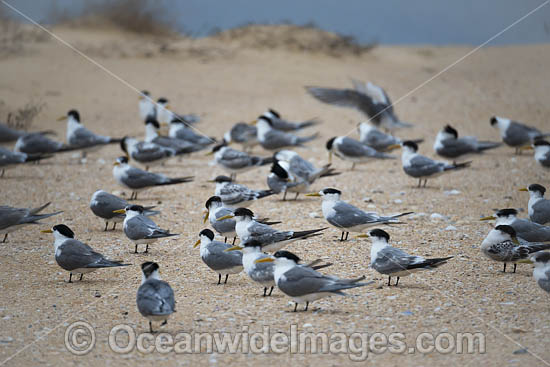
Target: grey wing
pixel 218 259
pixel 353 148
pixel 301 168
pixel 519 134
pixel 155 297
pixel 75 255
pixel 345 98
pixel 8 134
pixel 36 143
pixel 104 204
pixel 267 235
pixel 243 132
pixel 140 227
pixel 226 225
pixel 234 194
pixel 541 214
pixel 8 157
pixel 380 141
pixel 263 272
pixel 235 159
pixel 149 152
pixel 391 260
pixel 545 282
pixel 300 281
pixel 136 178
pixel 347 215
pixel 275 139
pixel 10 216
pixel 424 166
pixel 532 232
pixel 453 148
pixel 83 137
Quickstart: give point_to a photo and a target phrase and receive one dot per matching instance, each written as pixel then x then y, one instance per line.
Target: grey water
pixel 405 22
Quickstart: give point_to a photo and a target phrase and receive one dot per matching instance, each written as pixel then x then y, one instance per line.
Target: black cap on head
pixel 329 143
pixel 122 160
pixel 251 243
pixel 542 257
pixel 208 233
pixel 222 178
pixel 162 100
pixel 152 120
pixel 274 113
pixel 507 229
pixel 64 230
pixel 135 208
pixel 219 146
pixel 243 212
pixel 331 191
pixel 123 144
pixel 494 121
pixel 74 114
pixel 287 255
pixel 411 145
pixel 149 268
pixel 379 233
pixel 451 130
pixel 266 119
pixel 540 142
pixel 212 199
pixel 145 93
pixel 278 170
pixel 537 188
pixel 506 212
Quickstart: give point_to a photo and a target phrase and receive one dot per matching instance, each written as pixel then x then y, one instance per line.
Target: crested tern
pixel 146 153
pixel 539 207
pixel 213 254
pixel 9 159
pixel 447 144
pixel 279 181
pixel 515 134
pixel 368 98
pixel 235 161
pixel 103 205
pixel 179 129
pixel 234 194
pixel 77 257
pixel 422 167
pixel 36 143
pixel 243 134
pixel 137 179
pixel 376 139
pixel 165 115
pixel 542 152
pixel 180 146
pixel 541 273
pixel 9 134
pixel 273 139
pixel 140 229
pixel 525 229
pixel 348 149
pixel 146 105
pixel 12 219
pixel 304 284
pixel 347 217
pixel 283 125
pixel 392 261
pixel 155 298
pixel 501 244
pixel 271 239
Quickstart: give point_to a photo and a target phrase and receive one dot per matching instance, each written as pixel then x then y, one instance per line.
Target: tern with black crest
pixel 348 149
pixel 215 256
pixel 12 219
pixel 516 134
pixel 541 273
pixel 525 229
pixel 449 145
pixel 539 207
pixel 273 139
pixel 155 298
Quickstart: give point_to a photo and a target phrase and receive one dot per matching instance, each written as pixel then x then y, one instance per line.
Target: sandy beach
pixel 230 78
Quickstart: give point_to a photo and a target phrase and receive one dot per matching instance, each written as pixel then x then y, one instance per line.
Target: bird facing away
pixel 304 284
pixel 233 194
pixel 539 207
pixel 141 230
pixel 515 134
pixel 392 261
pixel 447 144
pixel 138 180
pixel 12 219
pixel 77 257
pixel 179 146
pixel 541 273
pixel 501 244
pixel 281 124
pixel 243 134
pixel 422 167
pixel 155 298
pixel 525 229
pixel 354 151
pixel 347 217
pixel 214 255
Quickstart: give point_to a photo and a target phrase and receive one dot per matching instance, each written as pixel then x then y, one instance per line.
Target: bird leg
pixel 504 270
pixel 114 226
pixel 70 277
pixel 233 176
pixel 419 182
pixel 164 323
pixel 347 234
pixel 307 304
pixel 295 306
pixel 515 267
pixel 234 238
pixel 106 224
pixel 2 175
pixel 135 252
pixel 425 182
pixel 271 291
pixel 284 196
pixel 225 240
pixel 5 238
pixel 219 278
pixel 397 281
pixel 389 281
pixel 135 196
pixel 352 166
pixel 226 276
pixel 342 238
pixel 146 249
pixel 265 291
pixel 151 327
pixel 81 275
pixel 296 197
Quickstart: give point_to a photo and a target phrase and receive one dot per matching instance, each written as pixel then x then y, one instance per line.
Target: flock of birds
pixel 260 251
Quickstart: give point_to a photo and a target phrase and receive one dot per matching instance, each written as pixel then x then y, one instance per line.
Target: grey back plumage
pixel 155 298
pixel 217 259
pixel 223 226
pixel 300 281
pixel 347 215
pixel 355 149
pixel 390 260
pixel 37 143
pixel 422 166
pixel 541 212
pixel 530 231
pixel 141 227
pixel 73 254
pixel 136 178
pixel 519 134
pixel 84 138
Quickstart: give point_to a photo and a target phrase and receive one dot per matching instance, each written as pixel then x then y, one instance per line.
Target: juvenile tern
pixel 103 205
pixel 501 244
pixel 283 125
pixel 392 261
pixel 347 217
pixel 80 137
pixel 541 273
pixel 421 167
pixel 77 257
pixel 525 229
pixel 12 219
pixel 155 298
pixel 146 105
pixel 447 144
pixel 376 139
pixel 368 98
pixel 235 161
pixel 234 194
pixel 9 159
pixel 516 134
pixel 146 153
pixel 271 239
pixel 243 134
pixel 539 207
pixel 137 179
pixel 348 149
pixel 140 229
pixel 272 139
pixel 304 284
pixel 216 258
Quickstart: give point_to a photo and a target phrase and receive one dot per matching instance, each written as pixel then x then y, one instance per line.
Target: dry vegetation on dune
pixel 15 37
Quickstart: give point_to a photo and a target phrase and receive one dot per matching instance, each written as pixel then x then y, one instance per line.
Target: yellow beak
pixel 330 157
pixel 46 231
pixel 526 147
pixel 524 261
pixel 228 216
pixel 119 211
pixel 167 107
pixel 253 123
pixel 205 217
pixel 515 241
pixel 116 164
pixel 234 248
pixel 394 146
pixel 197 243
pixel 313 194
pixel 523 189
pixel 163 124
pixel 362 235
pixel 209 153
pixel 61 118
pixel 491 217
pixel 264 260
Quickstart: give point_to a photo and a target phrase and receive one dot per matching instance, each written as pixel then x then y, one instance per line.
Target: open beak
pixel 313 194
pixel 46 231
pixel 264 260
pixel 197 243
pixel 234 248
pixel 524 189
pixel 119 211
pixel 228 216
pixel 491 217
pixel 205 217
pixel 330 157
pixel 362 235
pixel 61 118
